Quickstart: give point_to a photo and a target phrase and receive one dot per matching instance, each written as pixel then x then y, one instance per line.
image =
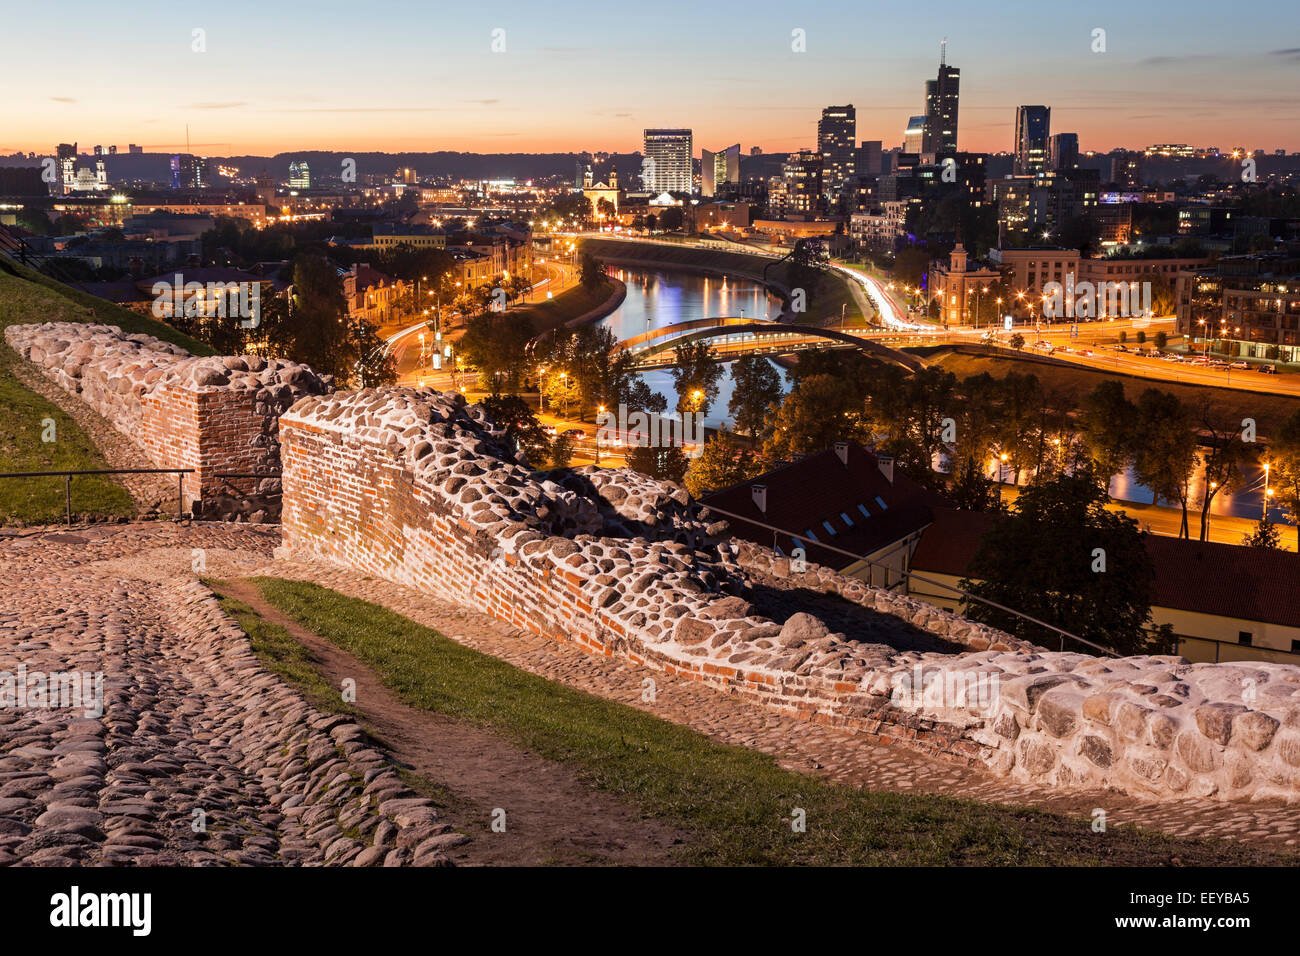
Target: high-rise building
pixel 189 171
pixel 1033 135
pixel 667 163
pixel 299 175
pixel 940 138
pixel 836 132
pixel 1126 168
pixel 99 150
pixel 1065 151
pixel 717 168
pixel 112 150
pixel 802 175
pixel 914 135
pixel 134 150
pixel 867 160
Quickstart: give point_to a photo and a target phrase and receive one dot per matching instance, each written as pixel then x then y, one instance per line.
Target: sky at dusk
pixel 421 76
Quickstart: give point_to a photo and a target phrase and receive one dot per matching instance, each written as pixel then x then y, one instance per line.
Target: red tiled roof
pixel 1204 577
pixel 865 510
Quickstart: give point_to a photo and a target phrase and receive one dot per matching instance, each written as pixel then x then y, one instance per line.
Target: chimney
pixel 842 452
pixel 886 465
pixel 759 493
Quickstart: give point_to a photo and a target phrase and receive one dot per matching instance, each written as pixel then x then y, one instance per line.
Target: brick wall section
pixel 214 414
pixel 414 486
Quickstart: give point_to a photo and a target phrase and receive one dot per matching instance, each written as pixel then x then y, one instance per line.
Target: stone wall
pixel 417 487
pixel 213 414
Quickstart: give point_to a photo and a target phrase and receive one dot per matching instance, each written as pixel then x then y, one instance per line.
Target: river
pixel 656 298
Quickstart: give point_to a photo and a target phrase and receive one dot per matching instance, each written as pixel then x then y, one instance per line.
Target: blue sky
pixel 399 75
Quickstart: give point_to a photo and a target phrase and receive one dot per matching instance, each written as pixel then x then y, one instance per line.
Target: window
pixel 1295 647
pixel 809 535
pixel 865 512
pixel 828 527
pixel 846 519
pixel 1245 638
pixel 881 501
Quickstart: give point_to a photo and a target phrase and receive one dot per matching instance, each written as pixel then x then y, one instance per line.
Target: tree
pixel 972 490
pixel 1265 535
pixel 561 451
pixel 695 377
pixel 522 427
pixel 721 464
pixel 593 273
pixel 318 330
pixel 1284 469
pixel 1164 449
pixel 1107 428
pixel 756 387
pixel 666 464
pixel 495 343
pixel 640 398
pixel 1017 341
pixel 1062 557
pixel 1222 462
pixel 375 365
pixel 1161 340
pixel 818 412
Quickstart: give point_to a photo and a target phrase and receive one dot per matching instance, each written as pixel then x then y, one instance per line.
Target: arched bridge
pixel 731 337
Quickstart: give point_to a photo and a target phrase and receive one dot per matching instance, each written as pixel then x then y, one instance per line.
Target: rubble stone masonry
pixel 419 488
pixel 213 414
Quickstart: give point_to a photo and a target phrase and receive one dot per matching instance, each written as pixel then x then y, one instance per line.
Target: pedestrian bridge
pixel 730 337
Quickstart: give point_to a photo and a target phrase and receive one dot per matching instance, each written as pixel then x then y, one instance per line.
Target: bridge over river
pixel 730 337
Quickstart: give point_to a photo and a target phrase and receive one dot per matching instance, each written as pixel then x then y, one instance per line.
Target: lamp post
pixel 1268 492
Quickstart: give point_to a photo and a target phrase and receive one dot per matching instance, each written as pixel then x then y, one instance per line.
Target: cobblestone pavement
pixel 186 751
pixel 163 554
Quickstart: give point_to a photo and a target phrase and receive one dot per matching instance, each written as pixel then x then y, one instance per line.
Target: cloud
pixel 1291 53
pixel 1184 58
pixel 63 99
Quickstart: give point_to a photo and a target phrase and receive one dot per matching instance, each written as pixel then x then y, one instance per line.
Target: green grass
pixel 28 296
pixel 22 427
pixel 283 656
pixel 735 804
pixel 552 313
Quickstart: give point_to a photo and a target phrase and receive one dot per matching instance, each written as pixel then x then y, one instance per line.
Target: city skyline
pixel 588 83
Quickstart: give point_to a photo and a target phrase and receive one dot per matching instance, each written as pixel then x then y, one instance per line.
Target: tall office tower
pixel 836 131
pixel 134 150
pixel 1065 151
pixel 582 172
pixel 801 175
pixel 717 168
pixel 941 108
pixel 99 150
pixel 667 166
pixel 188 172
pixel 1033 139
pixel 867 160
pixel 67 163
pixel 299 175
pixel 112 150
pixel 914 135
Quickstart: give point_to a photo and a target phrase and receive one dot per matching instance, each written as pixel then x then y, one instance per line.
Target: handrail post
pixel 67 495
pixel 180 493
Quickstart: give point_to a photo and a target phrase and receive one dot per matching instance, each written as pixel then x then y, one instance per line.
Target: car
pixel 1238 365
pixel 1267 369
pixel 575 433
pixel 550 430
pixel 1085 351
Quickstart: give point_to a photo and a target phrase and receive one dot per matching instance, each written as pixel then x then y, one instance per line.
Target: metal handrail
pixel 180 473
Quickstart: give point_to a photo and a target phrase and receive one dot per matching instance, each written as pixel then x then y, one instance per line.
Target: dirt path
pixel 552 817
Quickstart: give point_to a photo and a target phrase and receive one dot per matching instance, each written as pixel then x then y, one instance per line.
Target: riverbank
pixel 575 307
pixel 830 300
